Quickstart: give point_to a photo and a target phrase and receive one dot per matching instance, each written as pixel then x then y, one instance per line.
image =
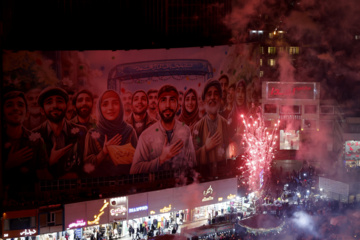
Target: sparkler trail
pixel 259 143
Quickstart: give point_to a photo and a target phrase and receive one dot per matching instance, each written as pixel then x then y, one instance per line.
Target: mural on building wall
pixel 71 114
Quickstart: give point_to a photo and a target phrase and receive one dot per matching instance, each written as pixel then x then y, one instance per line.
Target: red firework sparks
pixel 259 143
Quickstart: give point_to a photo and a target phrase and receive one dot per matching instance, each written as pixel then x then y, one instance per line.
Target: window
pixel 310 109
pixel 290 109
pixel 261 62
pixel 262 50
pixel 51 218
pixel 271 62
pixel 271 50
pixel 289 139
pixel 280 34
pixel 261 73
pixel 327 109
pixel 271 35
pixel 294 50
pixel 19 223
pixel 270 108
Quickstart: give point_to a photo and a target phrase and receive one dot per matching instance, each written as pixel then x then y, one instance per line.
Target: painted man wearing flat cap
pixel 211 132
pixel 64 140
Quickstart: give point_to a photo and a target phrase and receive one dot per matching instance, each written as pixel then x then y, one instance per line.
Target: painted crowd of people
pixel 118 133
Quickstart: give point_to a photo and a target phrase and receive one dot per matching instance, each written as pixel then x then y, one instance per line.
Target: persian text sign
pixel 290 90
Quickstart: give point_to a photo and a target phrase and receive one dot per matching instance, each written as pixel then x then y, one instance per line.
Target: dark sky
pixel 324 30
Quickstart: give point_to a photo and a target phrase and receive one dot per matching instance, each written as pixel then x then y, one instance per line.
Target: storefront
pixel 88 218
pixel 217 199
pixel 51 223
pixel 118 216
pixel 166 208
pixel 20 225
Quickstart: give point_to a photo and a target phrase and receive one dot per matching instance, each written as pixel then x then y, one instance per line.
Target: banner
pixel 74 114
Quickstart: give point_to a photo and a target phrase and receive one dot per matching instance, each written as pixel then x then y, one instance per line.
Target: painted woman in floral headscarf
pixel 190 112
pixel 110 145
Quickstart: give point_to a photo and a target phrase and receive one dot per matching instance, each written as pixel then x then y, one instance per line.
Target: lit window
pixel 261 62
pixel 289 139
pixel 261 74
pixel 271 50
pixel 294 50
pixel 280 34
pixel 357 37
pixel 271 62
pixel 271 35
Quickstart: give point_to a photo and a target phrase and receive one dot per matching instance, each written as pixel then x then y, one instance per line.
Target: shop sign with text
pixel 208 194
pixel 77 224
pixel 276 90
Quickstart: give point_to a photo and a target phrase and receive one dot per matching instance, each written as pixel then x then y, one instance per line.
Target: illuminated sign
pixel 78 223
pixel 231 196
pixel 101 212
pixel 117 201
pixel 6 235
pixel 207 194
pixel 352 150
pixel 290 90
pixel 165 209
pixel 117 211
pixel 138 209
pixel 205 199
pixel 28 232
pixel 220 199
pixel 152 212
pixel 208 191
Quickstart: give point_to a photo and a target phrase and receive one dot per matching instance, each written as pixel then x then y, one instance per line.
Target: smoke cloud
pixel 328 36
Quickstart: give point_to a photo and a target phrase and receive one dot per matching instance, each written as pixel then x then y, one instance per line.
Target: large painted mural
pixel 73 114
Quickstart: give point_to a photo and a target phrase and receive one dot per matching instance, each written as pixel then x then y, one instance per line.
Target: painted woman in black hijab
pixel 109 147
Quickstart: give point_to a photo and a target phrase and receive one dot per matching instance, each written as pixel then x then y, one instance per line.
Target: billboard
pixel 276 90
pixel 352 153
pixel 74 114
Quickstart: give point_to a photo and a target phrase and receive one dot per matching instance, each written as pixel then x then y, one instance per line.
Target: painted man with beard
pixel 167 144
pixel 140 119
pixel 83 102
pixel 34 118
pixel 210 133
pixel 23 152
pixel 64 140
pixel 126 100
pixel 153 103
